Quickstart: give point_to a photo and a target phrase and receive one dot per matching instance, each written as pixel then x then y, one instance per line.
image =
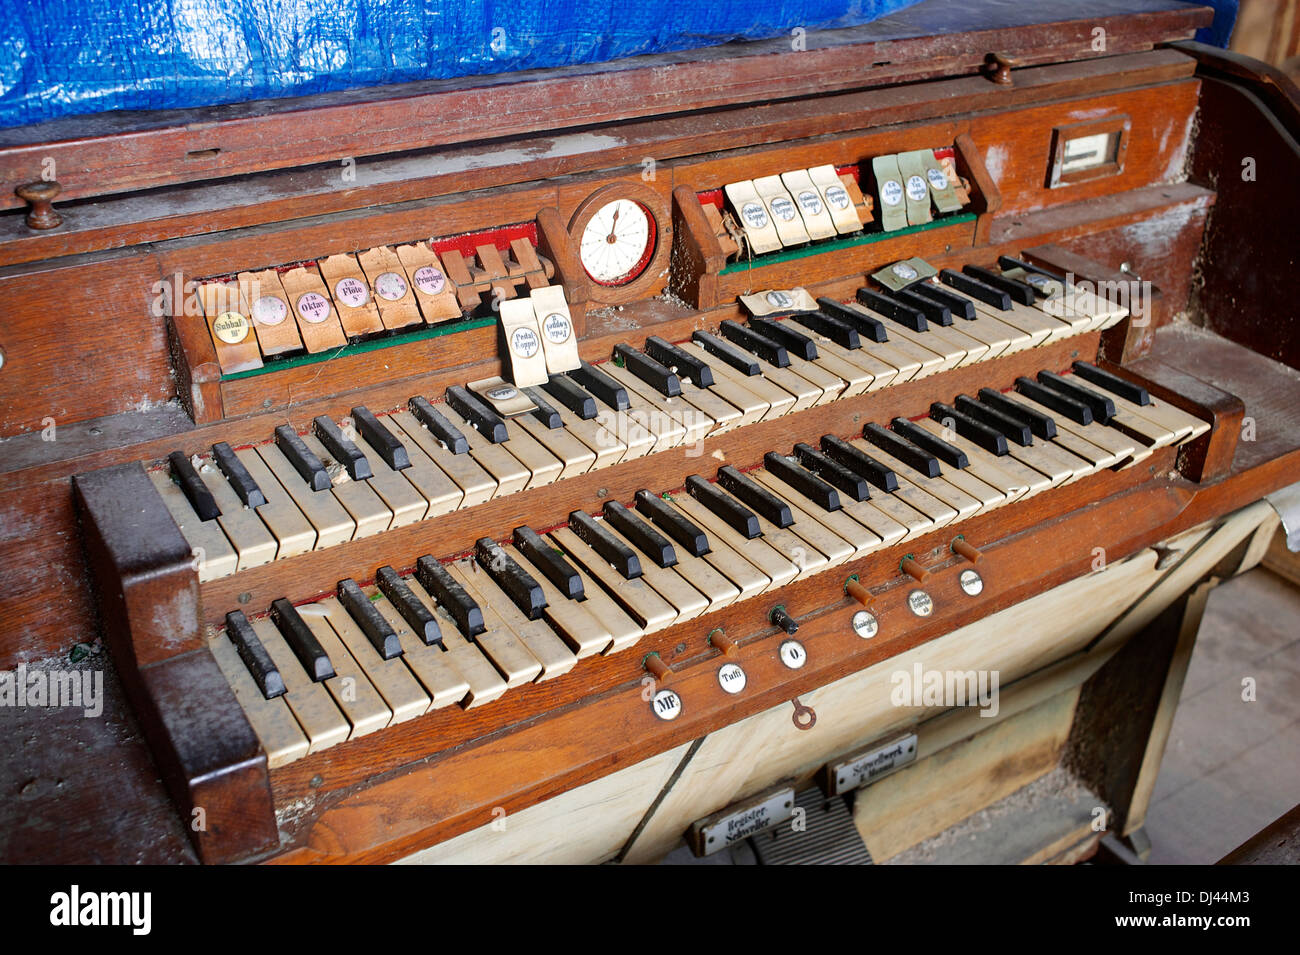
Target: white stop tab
pixel 559 343
pixel 523 342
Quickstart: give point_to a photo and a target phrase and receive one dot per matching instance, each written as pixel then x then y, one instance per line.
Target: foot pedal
pixel 826 835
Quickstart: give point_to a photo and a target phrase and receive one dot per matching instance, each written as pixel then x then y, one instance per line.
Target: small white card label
pixel 666 705
pixel 559 343
pixel 390 286
pixel 231 327
pixel 313 307
pixel 351 292
pixel 731 678
pixel 429 280
pixel 269 310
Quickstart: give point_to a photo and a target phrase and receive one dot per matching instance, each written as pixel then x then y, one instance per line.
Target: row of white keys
pixel 333 523
pixel 475 484
pixel 636 597
pixel 499 642
pixel 243 527
pixel 777 569
pixel 756 393
pixel 214 555
pixel 486 683
pixel 272 721
pixel 551 652
pixel 366 508
pixel 320 718
pixel 675 421
pixel 583 631
pixel 840 524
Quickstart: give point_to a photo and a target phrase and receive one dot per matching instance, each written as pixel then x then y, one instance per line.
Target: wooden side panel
pixel 148 596
pixel 81 340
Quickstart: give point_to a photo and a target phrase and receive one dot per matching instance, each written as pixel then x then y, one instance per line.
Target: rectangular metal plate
pixel 866 766
pixel 740 821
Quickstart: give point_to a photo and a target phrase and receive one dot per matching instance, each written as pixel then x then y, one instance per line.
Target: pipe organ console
pixel 594 460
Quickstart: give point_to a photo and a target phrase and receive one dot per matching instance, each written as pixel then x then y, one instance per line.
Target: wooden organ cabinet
pixel 944 345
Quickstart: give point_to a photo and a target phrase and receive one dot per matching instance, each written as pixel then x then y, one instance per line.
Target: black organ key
pixel 795 342
pixel 476 411
pixel 1113 383
pixel 994 442
pixel 301 640
pixel 1103 409
pixel 976 289
pixel 654 374
pixel 936 312
pixel 338 444
pixel 832 472
pixel 725 507
pixel 518 584
pixel 959 305
pixel 543 411
pixel 373 624
pixel 302 458
pixel 756 497
pixel 547 559
pixel 646 539
pixel 1040 424
pixel 872 329
pixel 259 663
pixel 846 336
pixel 417 616
pixel 1006 263
pixel 438 425
pixel 621 557
pixel 601 385
pixel 860 463
pixel 237 475
pixel 568 393
pixel 451 596
pixel 673 523
pixel 954 457
pixel 729 356
pixel 686 365
pixel 1076 411
pixel 771 351
pixel 200 498
pixel 384 442
pixel 892 308
pixel 1014 429
pixel 902 449
pixel 1019 291
pixel 802 480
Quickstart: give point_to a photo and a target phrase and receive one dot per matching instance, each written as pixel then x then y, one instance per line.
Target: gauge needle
pixel 612 238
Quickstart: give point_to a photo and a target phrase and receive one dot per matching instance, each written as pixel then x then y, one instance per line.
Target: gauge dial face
pixel 618 242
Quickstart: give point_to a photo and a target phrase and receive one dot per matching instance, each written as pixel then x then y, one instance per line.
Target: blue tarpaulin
pixel 68 57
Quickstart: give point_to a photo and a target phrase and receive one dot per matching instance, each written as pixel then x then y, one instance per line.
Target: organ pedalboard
pixel 515 486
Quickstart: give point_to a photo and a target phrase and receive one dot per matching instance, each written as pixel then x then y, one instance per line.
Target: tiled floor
pixel 1232 766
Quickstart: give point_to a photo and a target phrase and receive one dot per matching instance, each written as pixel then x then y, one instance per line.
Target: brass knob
pixel 39 196
pixel 998 67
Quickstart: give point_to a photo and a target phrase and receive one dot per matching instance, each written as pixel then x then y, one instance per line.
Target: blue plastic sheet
pixel 65 57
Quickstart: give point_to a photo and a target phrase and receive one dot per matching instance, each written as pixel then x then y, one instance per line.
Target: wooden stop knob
pixel 657 668
pixel 914 570
pixel 39 196
pixel 969 551
pixel 723 642
pixel 859 593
